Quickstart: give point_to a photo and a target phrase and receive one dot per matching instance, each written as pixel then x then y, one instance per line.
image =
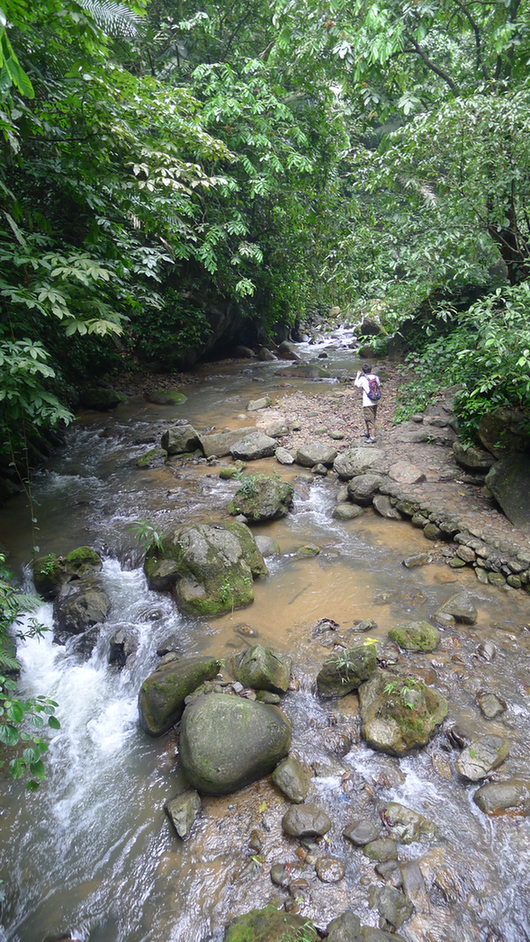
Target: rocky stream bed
pixel 363 779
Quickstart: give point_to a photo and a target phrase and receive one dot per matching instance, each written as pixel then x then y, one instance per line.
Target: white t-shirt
pixel 363 382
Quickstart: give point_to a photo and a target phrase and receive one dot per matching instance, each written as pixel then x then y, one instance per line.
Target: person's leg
pixel 369 413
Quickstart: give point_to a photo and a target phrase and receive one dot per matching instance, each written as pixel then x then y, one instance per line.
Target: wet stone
pixel 415 636
pixel 487 650
pixel 280 875
pixel 345 928
pixel 460 607
pixel 498 798
pixel 482 576
pixel 432 532
pixel 385 508
pixel 305 821
pixel 292 778
pixel 183 810
pixel 419 521
pixel 347 511
pixel 361 832
pixel 283 456
pixel 497 579
pixel 490 704
pixel 308 551
pixel 392 904
pixel 383 849
pixel 265 696
pixel 466 554
pixel 366 625
pixel 419 559
pixel 482 756
pixel 407 825
pixel 390 871
pixel 329 869
pixel 370 934
pixel 414 886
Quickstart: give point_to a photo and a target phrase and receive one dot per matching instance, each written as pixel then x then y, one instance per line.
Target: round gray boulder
pixel 315 453
pixel 227 742
pixel 305 821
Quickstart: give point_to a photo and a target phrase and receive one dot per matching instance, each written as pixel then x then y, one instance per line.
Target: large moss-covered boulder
pixel 227 742
pixel 263 669
pixel 502 432
pixel 346 671
pixel 162 694
pixel 51 572
pixel 100 399
pixel 509 482
pixel 262 497
pixel 399 714
pixel 270 925
pixel 415 636
pixel 210 568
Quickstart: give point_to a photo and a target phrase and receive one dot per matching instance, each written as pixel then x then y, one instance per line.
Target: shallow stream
pixel 91 855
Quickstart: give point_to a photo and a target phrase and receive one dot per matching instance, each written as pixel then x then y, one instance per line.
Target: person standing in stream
pixel 370 384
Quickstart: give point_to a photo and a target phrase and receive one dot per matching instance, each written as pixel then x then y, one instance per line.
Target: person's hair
pixel 367 368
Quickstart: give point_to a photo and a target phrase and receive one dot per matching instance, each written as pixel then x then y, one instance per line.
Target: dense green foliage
pixel 177 177
pixel 20 720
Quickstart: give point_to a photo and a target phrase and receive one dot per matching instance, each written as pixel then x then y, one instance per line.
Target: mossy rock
pixel 262 497
pixel 210 569
pixel 154 458
pixel 51 572
pixel 162 694
pixel 346 671
pixel 165 397
pixel 270 925
pixel 227 742
pixel 101 400
pixel 415 636
pixel 399 714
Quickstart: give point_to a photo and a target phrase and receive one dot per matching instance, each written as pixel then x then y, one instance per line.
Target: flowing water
pixel 92 855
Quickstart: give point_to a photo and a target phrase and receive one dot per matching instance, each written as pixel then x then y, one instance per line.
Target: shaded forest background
pixel 179 177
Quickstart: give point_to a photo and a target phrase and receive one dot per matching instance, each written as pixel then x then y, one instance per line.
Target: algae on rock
pixel 399 714
pixel 210 568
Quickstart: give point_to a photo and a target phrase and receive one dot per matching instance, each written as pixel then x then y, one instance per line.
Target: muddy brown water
pixel 92 853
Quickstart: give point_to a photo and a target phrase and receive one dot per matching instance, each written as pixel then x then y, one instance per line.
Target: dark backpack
pixel 374 390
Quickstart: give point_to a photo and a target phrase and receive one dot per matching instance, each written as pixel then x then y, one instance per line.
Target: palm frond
pixel 114 18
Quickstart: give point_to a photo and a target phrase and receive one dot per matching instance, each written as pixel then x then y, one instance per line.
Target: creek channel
pixel 92 855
